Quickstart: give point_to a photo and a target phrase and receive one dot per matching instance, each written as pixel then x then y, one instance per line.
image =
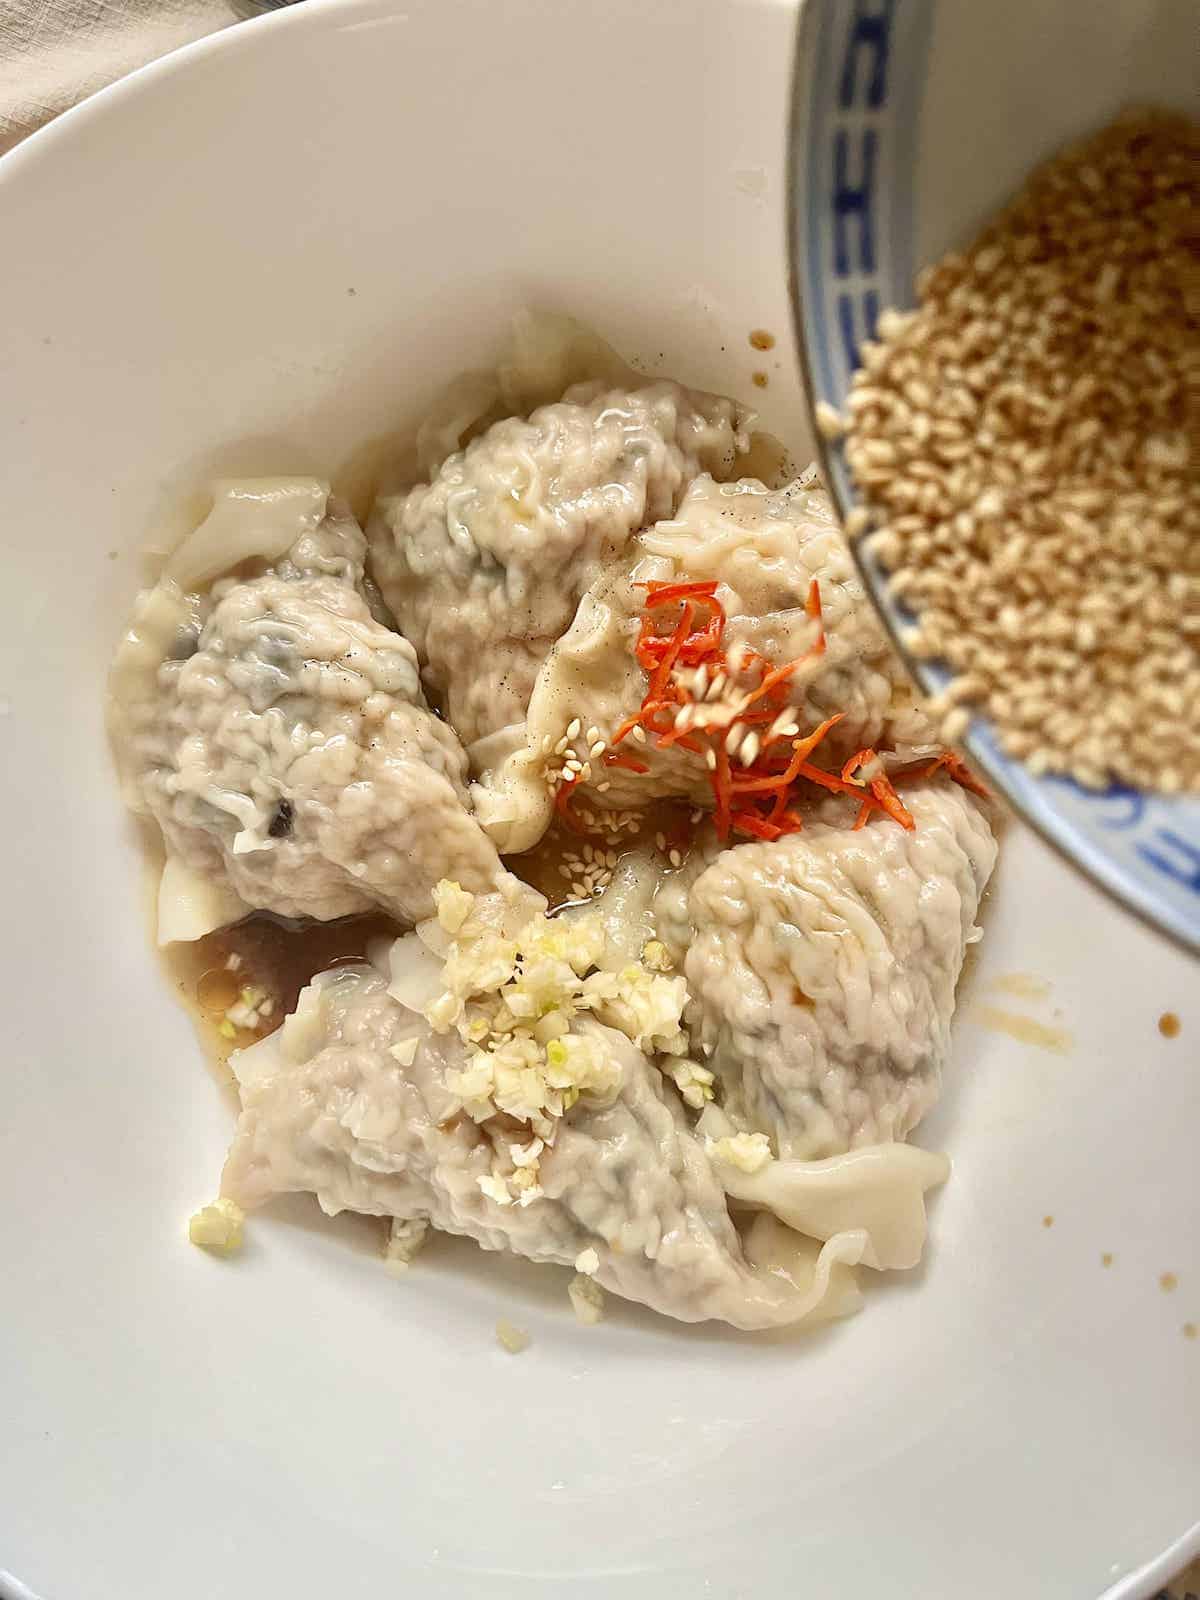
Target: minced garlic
pixel 512 1338
pixel 513 999
pixel 218 1227
pixel 405 1238
pixel 251 1008
pixel 656 956
pixel 453 904
pixel 749 1152
pixel 694 1082
pixel 587 1297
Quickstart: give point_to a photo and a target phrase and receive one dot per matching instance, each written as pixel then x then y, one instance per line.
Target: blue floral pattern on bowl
pixel 855 113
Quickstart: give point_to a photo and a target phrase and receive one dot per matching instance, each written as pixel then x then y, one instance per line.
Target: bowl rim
pixel 1100 869
pixel 1133 1585
pixel 171 61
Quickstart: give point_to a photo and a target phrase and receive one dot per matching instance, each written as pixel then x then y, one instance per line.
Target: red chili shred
pixel 753 800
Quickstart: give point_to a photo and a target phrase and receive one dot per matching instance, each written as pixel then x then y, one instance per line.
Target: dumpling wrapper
pixel 192 904
pixel 250 517
pixel 879 1189
pixel 329 1107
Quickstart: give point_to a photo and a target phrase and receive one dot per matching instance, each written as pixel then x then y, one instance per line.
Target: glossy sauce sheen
pixel 280 956
pixel 276 955
pixel 545 867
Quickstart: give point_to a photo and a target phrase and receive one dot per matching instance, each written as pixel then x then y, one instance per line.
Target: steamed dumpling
pixel 764 548
pixel 484 565
pixel 332 1105
pixel 822 970
pixel 278 734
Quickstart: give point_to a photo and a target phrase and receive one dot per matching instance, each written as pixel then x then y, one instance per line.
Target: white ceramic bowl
pixel 257 256
pixel 912 122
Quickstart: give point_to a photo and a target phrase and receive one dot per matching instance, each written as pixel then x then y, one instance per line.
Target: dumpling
pixel 766 546
pixel 484 565
pixel 277 732
pixel 762 548
pixel 822 968
pixel 671 905
pixel 351 1101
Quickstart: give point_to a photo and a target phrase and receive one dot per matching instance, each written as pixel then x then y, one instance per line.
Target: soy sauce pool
pixel 272 955
pixel 267 959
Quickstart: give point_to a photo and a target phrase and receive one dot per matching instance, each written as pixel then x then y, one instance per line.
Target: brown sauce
pixel 1022 985
pixel 1027 1030
pixel 271 954
pixel 555 866
pixel 278 956
pixel 768 461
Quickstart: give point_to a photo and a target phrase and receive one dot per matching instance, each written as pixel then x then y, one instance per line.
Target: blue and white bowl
pixel 911 121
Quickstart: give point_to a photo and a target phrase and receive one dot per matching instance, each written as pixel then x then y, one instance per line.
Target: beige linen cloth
pixel 55 52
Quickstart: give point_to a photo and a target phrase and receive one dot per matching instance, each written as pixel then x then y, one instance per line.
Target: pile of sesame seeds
pixel 570 758
pixel 614 826
pixel 718 702
pixel 588 871
pixel 1025 443
pixel 672 852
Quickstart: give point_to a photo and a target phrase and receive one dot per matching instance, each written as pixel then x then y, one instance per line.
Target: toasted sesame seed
pixel 857 522
pixel 829 420
pixel 573 728
pixel 749 751
pixel 1021 442
pixel 710 759
pixel 675 858
pixel 639 733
